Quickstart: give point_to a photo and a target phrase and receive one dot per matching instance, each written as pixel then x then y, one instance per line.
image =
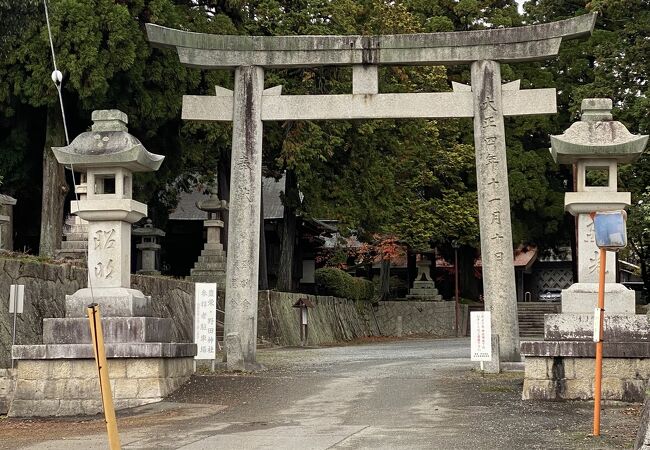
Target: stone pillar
pixel 6 222
pixel 245 205
pixel 3 221
pixel 494 207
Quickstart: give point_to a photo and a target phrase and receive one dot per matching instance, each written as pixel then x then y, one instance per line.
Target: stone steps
pixel 70 245
pixel 209 267
pixel 77 254
pixel 212 259
pixel 208 277
pixel 531 317
pixel 73 236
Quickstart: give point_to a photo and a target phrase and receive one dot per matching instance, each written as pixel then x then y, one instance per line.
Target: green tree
pixel 106 61
pixel 614 63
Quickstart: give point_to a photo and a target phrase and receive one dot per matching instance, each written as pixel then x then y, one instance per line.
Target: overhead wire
pixel 57 79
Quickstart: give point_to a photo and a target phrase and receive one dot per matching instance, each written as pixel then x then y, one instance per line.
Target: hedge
pixel 336 282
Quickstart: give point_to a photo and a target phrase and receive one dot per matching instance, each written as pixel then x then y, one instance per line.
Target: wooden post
pixel 599 342
pixel 97 337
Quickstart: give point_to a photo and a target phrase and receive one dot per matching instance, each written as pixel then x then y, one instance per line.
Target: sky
pixel 521 5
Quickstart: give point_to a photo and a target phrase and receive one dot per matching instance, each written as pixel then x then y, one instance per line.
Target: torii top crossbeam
pixel 529 43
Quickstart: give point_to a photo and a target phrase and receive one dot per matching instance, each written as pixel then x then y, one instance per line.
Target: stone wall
pixel 331 320
pixel 173 299
pixel 7 384
pixel 46 286
pixel 431 318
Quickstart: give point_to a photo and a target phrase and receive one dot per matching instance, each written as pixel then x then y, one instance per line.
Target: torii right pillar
pixel 494 207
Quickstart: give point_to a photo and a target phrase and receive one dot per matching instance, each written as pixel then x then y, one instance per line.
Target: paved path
pixel 410 394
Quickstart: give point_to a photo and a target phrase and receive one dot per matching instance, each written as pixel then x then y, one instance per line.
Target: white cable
pixel 57 78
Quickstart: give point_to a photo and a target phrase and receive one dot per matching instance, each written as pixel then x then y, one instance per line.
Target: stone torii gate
pixel 486 100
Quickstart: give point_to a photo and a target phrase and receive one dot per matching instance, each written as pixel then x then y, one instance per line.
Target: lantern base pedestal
pixel 113 302
pixel 582 298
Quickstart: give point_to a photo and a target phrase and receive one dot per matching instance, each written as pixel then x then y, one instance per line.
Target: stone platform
pixel 561 367
pixel 68 387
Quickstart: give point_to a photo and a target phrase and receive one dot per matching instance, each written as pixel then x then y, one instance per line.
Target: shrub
pixel 336 282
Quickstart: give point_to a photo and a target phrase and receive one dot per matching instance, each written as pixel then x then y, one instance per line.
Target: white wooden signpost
pixel 205 320
pixel 481 336
pixel 16 304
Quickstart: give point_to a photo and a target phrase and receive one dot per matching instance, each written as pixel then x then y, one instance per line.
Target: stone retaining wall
pixel 431 318
pixel 46 286
pixel 331 320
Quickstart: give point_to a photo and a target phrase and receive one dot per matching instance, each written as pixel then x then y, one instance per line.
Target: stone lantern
pixel 424 288
pixel 596 145
pixel 562 365
pixel 144 364
pixel 149 248
pixel 108 155
pixel 211 266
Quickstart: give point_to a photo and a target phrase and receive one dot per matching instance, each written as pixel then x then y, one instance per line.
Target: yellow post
pixel 599 342
pixel 97 336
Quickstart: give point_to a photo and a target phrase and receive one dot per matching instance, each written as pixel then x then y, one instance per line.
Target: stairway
pixel 531 318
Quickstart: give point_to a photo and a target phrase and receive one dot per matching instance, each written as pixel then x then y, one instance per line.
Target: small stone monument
pixel 562 366
pixel 6 222
pixel 424 289
pixel 59 377
pixel 211 266
pixel 148 248
pixel 74 245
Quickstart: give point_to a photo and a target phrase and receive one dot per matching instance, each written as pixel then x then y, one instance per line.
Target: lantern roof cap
pixel 597 135
pixel 108 144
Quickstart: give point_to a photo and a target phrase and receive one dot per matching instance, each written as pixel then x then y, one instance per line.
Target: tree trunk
pixel 290 200
pixel 263 277
pixel 411 267
pixel 224 194
pixel 384 279
pixel 55 187
pixel 467 280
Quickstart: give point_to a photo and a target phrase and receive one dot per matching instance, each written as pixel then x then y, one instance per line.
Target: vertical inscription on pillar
pixel 104 240
pixel 589 255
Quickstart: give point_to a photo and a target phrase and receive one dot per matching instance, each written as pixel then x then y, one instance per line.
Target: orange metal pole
pixel 599 343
